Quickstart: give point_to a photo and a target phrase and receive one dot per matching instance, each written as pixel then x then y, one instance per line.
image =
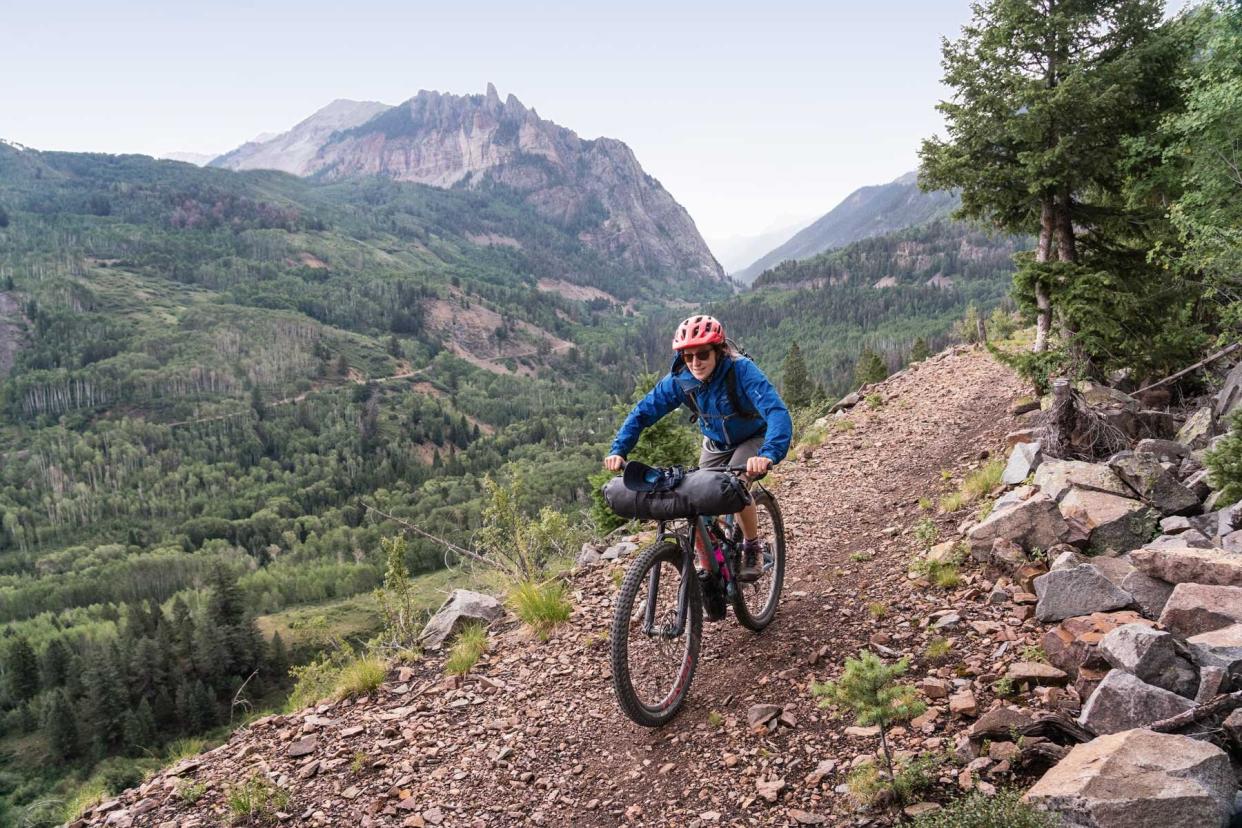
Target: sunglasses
pixel 698 356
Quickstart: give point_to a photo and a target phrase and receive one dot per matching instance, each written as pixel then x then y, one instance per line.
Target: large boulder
pixel 1035 523
pixel 1229 397
pixel 1123 701
pixel 1219 648
pixel 1074 643
pixel 1152 656
pixel 1167 450
pixel 1198 429
pixel 1187 564
pixel 1055 478
pixel 461 608
pixel 1154 483
pixel 1112 524
pixel 1077 590
pixel 1139 779
pixel 1023 460
pixel 1149 594
pixel 1199 608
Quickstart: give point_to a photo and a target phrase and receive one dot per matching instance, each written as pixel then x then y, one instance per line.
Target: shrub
pixel 540 606
pixel 397 598
pixel 360 676
pixel 1225 462
pixel 715 719
pixel 190 792
pixel 975 810
pixel 874 401
pixel 119 774
pixel 256 800
pixel 859 557
pixel 470 644
pixel 926 532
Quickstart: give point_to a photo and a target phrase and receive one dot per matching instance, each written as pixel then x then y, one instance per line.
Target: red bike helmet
pixel 698 330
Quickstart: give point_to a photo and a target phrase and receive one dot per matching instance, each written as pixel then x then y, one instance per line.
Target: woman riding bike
pixel 742 418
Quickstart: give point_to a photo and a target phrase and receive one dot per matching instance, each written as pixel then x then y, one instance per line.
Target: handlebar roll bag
pixel 700 492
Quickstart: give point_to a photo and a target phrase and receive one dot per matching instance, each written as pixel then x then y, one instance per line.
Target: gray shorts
pixel 709 458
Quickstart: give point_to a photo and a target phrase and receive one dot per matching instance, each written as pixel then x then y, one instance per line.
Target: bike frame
pixel 698 530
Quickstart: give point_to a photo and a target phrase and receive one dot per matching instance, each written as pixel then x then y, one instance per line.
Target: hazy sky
pixel 749 113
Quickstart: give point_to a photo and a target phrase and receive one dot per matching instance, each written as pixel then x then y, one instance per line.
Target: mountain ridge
pixel 868 211
pixel 594 188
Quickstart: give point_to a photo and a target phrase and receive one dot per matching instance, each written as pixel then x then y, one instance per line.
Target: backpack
pixel 746 412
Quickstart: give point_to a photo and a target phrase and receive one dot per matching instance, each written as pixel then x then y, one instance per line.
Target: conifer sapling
pixel 869 689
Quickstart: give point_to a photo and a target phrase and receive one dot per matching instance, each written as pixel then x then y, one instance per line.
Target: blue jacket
pixel 717 419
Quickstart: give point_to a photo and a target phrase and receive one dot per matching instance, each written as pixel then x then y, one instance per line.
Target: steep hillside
pixel 203 373
pixel 882 292
pixel 533 736
pixel 595 190
pixel 869 211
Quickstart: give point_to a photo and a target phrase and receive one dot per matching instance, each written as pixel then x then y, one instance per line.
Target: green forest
pixel 215 376
pixel 215 385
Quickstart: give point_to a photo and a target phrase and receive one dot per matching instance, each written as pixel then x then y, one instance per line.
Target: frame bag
pixel 700 492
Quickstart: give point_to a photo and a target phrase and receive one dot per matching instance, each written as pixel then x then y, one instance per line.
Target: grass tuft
pixel 983 480
pixel 360 676
pixel 470 644
pixel 256 801
pixel 937 649
pixel 541 606
pixel 878 609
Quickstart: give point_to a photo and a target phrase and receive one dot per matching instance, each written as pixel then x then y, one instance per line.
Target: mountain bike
pixel 657 623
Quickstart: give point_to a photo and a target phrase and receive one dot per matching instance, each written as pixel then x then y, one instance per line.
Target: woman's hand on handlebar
pixel 758 466
pixel 614 462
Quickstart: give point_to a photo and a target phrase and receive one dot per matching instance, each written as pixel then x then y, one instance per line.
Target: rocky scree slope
pixel 595 188
pixel 532 736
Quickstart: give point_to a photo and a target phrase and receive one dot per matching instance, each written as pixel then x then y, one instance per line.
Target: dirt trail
pixel 533 736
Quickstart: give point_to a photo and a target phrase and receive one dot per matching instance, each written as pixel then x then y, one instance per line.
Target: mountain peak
pixel 596 189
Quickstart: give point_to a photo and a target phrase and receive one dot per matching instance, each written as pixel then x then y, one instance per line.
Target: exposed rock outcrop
pixel 595 189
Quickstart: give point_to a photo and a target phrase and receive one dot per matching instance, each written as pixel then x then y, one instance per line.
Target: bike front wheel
pixel 657 627
pixel 754 603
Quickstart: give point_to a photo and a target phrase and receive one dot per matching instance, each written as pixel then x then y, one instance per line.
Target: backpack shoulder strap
pixel 747 411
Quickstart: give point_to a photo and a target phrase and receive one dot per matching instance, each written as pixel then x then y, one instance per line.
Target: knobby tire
pixel 634 589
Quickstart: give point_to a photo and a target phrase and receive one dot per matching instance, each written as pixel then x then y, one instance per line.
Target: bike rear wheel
pixel 653 663
pixel 755 603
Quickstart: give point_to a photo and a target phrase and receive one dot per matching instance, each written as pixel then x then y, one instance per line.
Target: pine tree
pixel 868 688
pixel 183 629
pixel 1045 95
pixel 226 607
pixel 139 728
pixel 212 660
pixel 798 390
pixel 54 663
pixel 278 660
pixel 919 352
pixel 60 727
pixel 22 667
pixel 105 702
pixel 870 368
pixel 203 707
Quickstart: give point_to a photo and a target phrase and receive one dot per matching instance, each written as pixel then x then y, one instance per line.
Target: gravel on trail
pixel 533 735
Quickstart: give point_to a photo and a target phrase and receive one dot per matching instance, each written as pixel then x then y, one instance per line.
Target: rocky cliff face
pixel 596 189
